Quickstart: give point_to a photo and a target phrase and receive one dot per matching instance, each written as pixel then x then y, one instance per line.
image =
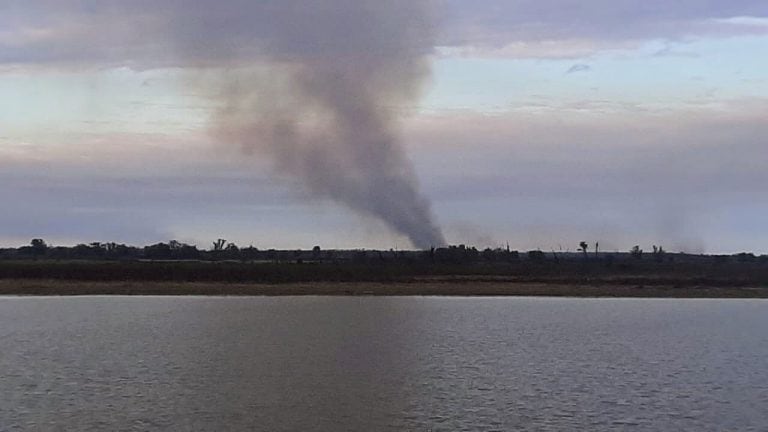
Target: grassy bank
pixel 628 272
pixel 683 277
pixel 417 288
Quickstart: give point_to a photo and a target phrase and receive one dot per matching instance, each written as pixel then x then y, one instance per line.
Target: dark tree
pixel 584 247
pixel 219 245
pixel 38 247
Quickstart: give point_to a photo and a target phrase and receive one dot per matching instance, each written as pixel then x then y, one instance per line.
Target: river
pixel 382 364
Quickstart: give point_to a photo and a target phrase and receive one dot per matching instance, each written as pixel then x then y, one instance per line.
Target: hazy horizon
pixel 538 124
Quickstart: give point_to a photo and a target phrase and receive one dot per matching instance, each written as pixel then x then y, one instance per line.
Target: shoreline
pixel 466 288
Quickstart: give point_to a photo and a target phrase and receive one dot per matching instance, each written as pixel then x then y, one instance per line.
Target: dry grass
pixel 435 287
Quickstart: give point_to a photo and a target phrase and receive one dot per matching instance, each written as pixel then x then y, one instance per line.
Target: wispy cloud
pixel 580 67
pixel 493 26
pixel 670 51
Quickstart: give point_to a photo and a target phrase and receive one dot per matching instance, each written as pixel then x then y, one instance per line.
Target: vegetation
pixel 225 262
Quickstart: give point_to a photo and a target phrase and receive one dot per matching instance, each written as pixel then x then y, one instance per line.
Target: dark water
pixel 369 364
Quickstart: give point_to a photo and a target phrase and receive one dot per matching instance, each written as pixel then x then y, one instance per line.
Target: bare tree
pixel 219 245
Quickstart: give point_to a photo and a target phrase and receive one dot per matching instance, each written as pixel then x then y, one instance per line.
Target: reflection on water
pixel 333 364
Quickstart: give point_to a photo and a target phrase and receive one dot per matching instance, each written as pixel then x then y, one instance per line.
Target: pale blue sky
pixel 652 134
pixel 656 73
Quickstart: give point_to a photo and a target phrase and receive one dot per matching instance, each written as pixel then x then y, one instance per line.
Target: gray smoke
pixel 316 85
pixel 326 110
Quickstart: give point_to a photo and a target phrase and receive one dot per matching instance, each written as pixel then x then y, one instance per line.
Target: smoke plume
pixel 315 85
pixel 326 109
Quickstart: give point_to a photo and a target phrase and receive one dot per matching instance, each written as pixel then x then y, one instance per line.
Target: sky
pixel 535 123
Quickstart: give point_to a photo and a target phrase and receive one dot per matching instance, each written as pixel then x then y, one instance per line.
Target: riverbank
pixel 465 288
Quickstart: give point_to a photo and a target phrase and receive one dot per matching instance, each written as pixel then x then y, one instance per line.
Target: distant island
pixel 176 268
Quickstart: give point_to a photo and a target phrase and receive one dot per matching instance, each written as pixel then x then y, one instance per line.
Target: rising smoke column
pixel 326 110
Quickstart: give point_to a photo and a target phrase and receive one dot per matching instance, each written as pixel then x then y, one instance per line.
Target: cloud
pixel 147 34
pixel 689 178
pixel 493 22
pixel 669 51
pixel 114 188
pixel 580 67
pixel 537 49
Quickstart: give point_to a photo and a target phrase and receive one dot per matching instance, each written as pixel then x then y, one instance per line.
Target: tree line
pixel 223 250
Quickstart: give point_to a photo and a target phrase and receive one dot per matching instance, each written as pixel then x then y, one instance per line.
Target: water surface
pixel 335 364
